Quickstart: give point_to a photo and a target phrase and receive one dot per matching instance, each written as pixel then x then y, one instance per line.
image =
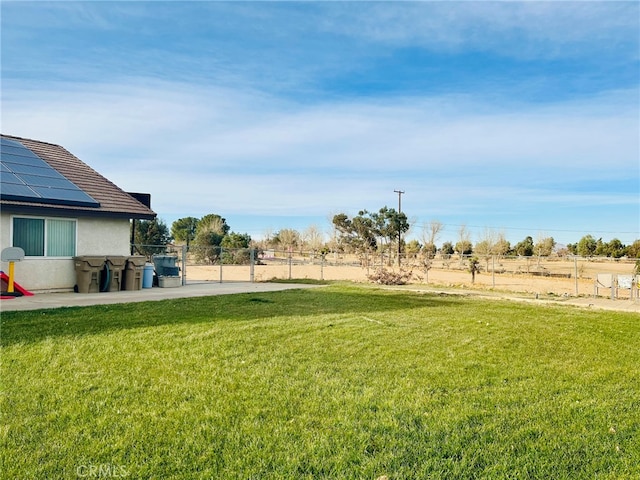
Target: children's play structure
pixel 11 289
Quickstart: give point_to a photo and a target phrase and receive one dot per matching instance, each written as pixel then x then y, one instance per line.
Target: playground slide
pixel 18 290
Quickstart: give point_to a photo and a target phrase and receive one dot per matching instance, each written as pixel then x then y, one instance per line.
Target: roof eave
pixel 74 212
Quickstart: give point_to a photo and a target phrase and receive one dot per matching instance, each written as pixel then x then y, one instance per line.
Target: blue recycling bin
pixel 147 275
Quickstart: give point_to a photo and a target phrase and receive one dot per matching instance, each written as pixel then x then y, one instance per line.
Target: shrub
pixel 389 277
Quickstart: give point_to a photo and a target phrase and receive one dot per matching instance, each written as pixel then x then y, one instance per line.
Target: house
pixel 56 207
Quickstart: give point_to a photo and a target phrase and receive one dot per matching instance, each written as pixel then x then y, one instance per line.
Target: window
pixel 45 237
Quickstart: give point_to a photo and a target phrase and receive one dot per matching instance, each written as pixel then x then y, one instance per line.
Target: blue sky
pixel 515 117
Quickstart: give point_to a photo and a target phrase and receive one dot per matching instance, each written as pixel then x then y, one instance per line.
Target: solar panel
pixel 31 170
pixel 27 177
pixel 16 190
pixel 39 181
pixel 20 159
pixel 16 148
pixel 8 177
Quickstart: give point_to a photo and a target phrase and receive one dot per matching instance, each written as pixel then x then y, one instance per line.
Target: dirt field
pixel 545 278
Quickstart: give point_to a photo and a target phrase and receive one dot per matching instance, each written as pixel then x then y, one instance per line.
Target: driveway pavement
pixel 200 289
pixel 203 289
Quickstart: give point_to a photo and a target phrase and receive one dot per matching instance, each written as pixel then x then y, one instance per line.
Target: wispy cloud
pixel 260 154
pixel 506 111
pixel 505 27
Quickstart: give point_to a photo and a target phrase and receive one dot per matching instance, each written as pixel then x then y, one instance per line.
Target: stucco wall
pixel 94 237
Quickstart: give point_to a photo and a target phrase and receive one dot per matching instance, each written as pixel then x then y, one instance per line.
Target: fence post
pixel 575 273
pixel 290 263
pixel 220 257
pixel 322 266
pixel 493 270
pixel 614 286
pixel 252 258
pixel 184 265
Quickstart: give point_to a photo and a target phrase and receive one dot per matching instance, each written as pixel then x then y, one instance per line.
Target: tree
pixel 368 231
pixel 390 225
pixel 267 238
pixel 213 223
pixel 524 248
pixel 464 245
pixel 313 238
pixel 211 230
pixel 492 244
pixel 356 234
pixel 429 250
pixel 587 246
pixel 474 267
pixel 236 240
pixel 633 250
pixel 430 233
pixel 544 246
pixel 502 246
pixel 447 248
pixel 151 236
pixel 288 238
pixel 184 229
pixel 412 248
pixel 615 248
pixel 484 248
pixel 235 248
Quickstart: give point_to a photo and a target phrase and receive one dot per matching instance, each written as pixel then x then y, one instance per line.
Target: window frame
pixel 46 231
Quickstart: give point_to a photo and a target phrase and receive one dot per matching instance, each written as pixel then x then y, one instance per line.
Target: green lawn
pixel 336 382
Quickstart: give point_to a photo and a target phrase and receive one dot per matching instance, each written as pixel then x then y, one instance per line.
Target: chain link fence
pixel 554 275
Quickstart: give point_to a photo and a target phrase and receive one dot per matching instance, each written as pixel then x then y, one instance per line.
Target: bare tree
pixel 543 246
pixel 492 244
pixel 267 238
pixel 486 245
pixel 464 245
pixel 313 238
pixel 430 234
pixel 288 238
pixel 502 246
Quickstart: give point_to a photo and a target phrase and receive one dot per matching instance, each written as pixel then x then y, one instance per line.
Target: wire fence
pixel 553 275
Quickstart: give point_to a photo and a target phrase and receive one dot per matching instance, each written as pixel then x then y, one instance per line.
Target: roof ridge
pixel 33 140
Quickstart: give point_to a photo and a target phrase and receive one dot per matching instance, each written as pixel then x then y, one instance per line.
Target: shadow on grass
pixel 34 326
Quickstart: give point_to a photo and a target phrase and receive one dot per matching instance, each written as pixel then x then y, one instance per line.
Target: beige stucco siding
pixel 103 237
pixel 93 237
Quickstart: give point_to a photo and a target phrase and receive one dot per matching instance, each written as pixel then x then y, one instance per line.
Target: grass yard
pixel 337 382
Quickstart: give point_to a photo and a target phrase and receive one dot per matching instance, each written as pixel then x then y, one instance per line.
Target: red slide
pixel 18 290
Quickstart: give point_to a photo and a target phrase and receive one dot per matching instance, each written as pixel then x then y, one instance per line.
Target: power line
pixel 529 229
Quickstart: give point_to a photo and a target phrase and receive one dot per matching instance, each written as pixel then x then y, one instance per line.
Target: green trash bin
pixel 115 266
pixel 162 262
pixel 88 268
pixel 133 272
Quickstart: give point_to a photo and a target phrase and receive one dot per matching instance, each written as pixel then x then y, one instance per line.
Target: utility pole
pixel 399 192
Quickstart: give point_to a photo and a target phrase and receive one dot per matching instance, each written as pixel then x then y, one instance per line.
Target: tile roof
pixel 114 202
